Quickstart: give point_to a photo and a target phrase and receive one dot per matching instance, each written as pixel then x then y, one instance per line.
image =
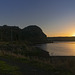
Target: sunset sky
pixel 55 17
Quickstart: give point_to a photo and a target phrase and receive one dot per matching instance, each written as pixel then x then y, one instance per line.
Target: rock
pixel 34 34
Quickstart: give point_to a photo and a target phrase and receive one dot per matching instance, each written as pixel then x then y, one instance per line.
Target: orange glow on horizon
pixel 73 35
pixel 64 30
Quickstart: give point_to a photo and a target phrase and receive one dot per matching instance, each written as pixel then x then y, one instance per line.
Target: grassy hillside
pixel 12 65
pixel 18 58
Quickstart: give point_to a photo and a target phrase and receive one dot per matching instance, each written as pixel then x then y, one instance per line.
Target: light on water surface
pixel 60 48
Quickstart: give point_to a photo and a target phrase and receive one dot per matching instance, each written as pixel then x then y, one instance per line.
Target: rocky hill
pixel 31 33
pixel 34 34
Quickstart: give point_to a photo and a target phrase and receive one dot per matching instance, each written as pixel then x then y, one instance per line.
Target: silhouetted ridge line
pixel 30 33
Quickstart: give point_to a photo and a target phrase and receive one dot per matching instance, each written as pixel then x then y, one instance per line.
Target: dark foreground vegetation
pixel 32 33
pixel 16 64
pixel 19 56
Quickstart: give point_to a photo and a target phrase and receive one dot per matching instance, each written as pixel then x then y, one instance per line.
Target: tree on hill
pixel 34 34
pixel 30 33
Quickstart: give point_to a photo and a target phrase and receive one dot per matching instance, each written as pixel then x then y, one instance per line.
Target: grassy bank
pixel 13 62
pixel 12 65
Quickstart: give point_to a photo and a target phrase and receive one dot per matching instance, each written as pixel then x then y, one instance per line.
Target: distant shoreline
pixel 61 38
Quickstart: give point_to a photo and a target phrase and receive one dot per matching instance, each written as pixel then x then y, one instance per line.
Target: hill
pixel 32 33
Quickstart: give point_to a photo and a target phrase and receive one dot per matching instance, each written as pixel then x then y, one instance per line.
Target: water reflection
pixel 60 48
pixel 42 46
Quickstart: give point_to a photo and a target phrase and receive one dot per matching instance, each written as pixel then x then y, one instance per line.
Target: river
pixel 59 48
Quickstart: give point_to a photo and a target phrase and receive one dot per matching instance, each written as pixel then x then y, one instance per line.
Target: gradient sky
pixel 55 17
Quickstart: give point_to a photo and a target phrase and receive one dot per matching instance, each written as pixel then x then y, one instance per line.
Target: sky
pixel 54 17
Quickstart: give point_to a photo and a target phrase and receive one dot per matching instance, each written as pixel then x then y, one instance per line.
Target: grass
pixel 6 69
pixel 59 66
pixel 52 65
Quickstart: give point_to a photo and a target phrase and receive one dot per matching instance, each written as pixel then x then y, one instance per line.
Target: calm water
pixel 59 48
